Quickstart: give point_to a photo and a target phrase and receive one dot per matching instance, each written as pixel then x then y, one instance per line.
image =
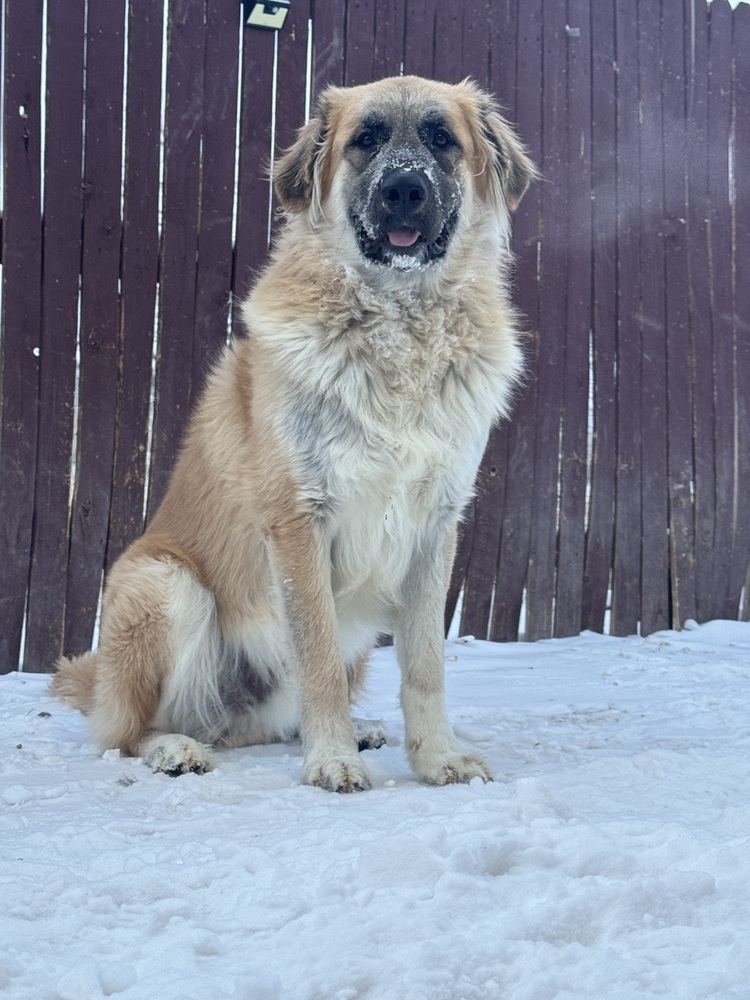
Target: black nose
pixel 403 191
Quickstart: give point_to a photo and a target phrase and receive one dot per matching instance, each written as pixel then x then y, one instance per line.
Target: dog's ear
pixel 294 173
pixel 511 162
pixel 503 167
pixel 302 166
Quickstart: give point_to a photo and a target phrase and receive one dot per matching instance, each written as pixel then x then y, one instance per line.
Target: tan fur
pixel 315 499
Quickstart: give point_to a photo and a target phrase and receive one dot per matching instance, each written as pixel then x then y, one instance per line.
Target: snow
pixel 610 858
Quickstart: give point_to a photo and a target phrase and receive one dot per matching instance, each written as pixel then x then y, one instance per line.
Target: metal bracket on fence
pixel 266 13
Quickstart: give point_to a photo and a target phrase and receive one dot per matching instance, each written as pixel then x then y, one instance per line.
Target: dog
pixel 315 500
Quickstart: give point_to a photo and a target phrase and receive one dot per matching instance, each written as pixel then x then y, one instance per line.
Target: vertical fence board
pixel 419 35
pixel 741 312
pixel 476 40
pixel 678 482
pixel 626 562
pixel 600 531
pixel 477 565
pixel 214 256
pixel 448 44
pixel 573 439
pixel 388 50
pixel 654 613
pixel 522 42
pixel 21 317
pixel 502 29
pixel 720 228
pixel 290 96
pixel 453 40
pixel 182 180
pixel 360 35
pixel 544 527
pixel 699 298
pixel 292 62
pixel 253 194
pixel 62 255
pixel 476 568
pixel 329 27
pixel 140 272
pixel 100 318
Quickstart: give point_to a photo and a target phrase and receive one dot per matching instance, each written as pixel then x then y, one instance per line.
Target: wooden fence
pixel 135 211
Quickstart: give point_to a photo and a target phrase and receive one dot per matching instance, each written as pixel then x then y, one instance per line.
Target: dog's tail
pixel 74 681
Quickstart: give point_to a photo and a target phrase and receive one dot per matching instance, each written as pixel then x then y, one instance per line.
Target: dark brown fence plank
pixel 652 320
pixel 600 530
pixel 448 51
pixel 419 34
pixel 329 28
pixel 21 315
pixel 214 261
pixel 182 179
pixel 388 50
pixel 542 557
pixel 359 42
pixel 478 562
pixel 292 63
pixel 140 272
pixel 741 259
pixel 476 569
pixel 455 31
pixel 100 319
pixel 699 293
pixel 521 45
pixel 573 440
pixel 626 562
pixel 679 479
pixel 501 26
pixel 251 241
pixel 476 39
pixel 482 536
pixel 290 88
pixel 62 255
pixel 719 126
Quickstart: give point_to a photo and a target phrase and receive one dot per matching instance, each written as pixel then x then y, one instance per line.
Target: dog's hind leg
pixel 369 732
pixel 155 676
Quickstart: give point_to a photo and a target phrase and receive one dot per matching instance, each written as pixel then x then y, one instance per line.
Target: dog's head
pixel 406 164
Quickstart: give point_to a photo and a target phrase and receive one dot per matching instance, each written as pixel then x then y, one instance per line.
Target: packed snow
pixel 609 859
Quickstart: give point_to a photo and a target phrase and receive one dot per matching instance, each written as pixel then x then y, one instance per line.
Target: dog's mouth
pixel 402 246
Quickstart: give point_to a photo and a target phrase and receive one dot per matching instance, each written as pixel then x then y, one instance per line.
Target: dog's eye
pixel 365 140
pixel 442 139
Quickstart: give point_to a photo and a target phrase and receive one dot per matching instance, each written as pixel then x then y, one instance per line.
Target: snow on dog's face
pixel 403 163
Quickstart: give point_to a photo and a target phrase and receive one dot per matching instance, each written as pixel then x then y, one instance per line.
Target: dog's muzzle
pixel 404 226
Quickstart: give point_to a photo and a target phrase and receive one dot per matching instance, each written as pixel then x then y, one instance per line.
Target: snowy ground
pixel 610 858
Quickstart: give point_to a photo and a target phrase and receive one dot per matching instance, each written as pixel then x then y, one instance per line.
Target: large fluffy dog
pixel 315 500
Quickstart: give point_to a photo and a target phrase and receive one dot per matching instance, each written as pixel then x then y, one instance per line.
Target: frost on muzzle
pixel 408 214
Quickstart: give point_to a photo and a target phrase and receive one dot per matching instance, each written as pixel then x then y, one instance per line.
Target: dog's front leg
pixel 331 757
pixel 435 755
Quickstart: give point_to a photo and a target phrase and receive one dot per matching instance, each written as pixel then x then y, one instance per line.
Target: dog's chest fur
pixel 388 404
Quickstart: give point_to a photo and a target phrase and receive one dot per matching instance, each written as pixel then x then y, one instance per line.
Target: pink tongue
pixel 403 237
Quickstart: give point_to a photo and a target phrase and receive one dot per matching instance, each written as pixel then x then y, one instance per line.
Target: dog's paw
pixel 337 774
pixel 450 768
pixel 172 754
pixel 370 734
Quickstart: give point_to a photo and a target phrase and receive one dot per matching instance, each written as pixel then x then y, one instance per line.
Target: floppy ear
pixel 501 164
pixel 303 167
pixel 294 173
pixel 511 163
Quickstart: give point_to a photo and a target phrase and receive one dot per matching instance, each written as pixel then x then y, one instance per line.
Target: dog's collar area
pixel 379 249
